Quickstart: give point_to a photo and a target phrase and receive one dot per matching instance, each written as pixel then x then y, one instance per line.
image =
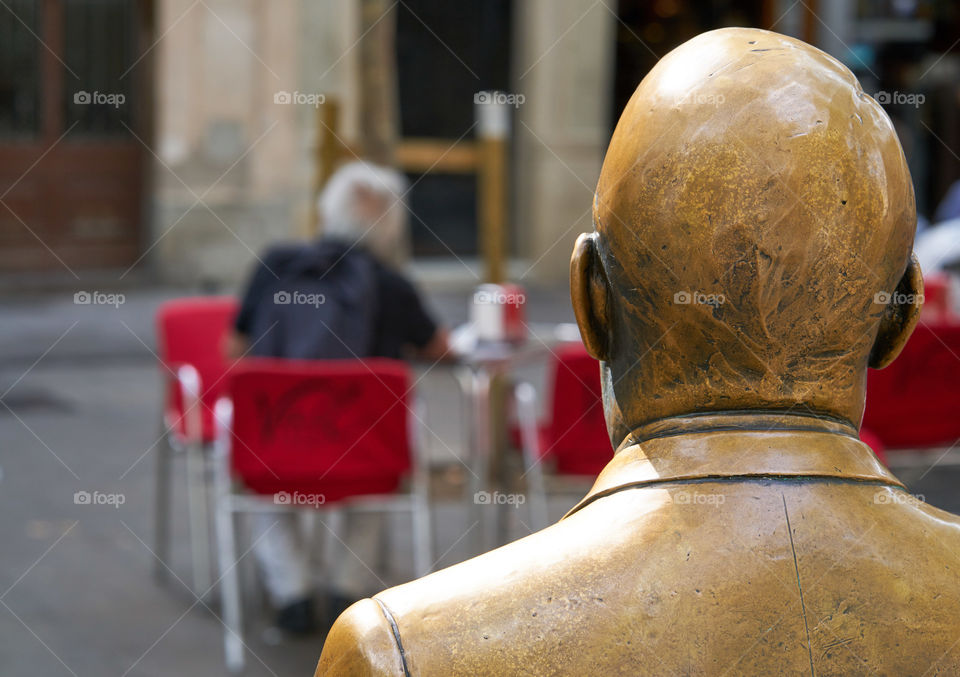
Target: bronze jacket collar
pixel 748 445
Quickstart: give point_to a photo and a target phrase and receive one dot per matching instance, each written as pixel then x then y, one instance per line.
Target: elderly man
pixel 754 220
pixel 362 307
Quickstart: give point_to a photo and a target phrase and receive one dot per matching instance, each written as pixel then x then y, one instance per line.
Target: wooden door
pixel 71 108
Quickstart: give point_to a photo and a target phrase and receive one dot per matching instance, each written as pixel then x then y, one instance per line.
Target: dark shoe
pixel 337 603
pixel 298 618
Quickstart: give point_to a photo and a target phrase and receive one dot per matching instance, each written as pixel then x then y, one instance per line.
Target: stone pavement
pixel 79 403
pixel 80 395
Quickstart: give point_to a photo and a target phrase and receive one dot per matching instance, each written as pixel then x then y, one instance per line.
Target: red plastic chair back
pixel 937 308
pixel 191 331
pixel 915 402
pixel 334 428
pixel 576 435
pixel 869 438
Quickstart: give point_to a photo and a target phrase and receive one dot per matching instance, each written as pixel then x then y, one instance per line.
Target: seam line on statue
pixel 826 479
pixel 395 629
pixel 633 441
pixel 783 413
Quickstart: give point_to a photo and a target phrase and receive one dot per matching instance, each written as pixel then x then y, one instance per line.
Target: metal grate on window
pixel 99 42
pixel 19 68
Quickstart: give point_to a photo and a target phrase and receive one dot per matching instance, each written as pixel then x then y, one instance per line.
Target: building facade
pixel 177 138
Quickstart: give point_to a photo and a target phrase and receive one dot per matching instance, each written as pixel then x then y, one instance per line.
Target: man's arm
pixel 438 349
pixel 235 345
pixel 404 314
pixel 266 272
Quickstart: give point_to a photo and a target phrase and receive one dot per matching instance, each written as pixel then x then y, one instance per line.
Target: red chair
pixel 314 434
pixel 191 333
pixel 574 439
pixel 869 438
pixel 914 403
pixel 937 302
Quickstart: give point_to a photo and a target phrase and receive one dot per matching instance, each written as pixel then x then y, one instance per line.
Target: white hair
pixel 385 236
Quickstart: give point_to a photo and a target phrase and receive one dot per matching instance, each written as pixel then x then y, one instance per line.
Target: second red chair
pixel 190 335
pixel 315 434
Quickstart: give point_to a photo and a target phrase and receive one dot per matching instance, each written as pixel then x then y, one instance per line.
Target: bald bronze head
pixel 754 226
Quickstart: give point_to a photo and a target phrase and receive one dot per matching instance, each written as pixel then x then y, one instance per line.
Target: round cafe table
pixel 482 371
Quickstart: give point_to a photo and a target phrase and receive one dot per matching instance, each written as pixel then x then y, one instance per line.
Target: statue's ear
pixel 899 317
pixel 589 291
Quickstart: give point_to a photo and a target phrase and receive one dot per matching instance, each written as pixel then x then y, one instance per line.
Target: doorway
pixel 72 106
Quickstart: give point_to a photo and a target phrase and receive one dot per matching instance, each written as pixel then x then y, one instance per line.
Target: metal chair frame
pixel 231 500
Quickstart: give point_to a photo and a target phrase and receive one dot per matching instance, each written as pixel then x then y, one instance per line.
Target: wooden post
pixel 379 115
pixel 493 130
pixel 492 205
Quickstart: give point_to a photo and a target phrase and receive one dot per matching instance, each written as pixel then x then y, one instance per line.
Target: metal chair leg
pixel 227 544
pixel 525 395
pixel 333 549
pixel 253 590
pixel 189 383
pixel 199 517
pixel 481 428
pixel 422 526
pixel 230 588
pixel 162 501
pixel 420 500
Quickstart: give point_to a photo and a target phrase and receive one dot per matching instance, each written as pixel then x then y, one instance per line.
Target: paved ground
pixel 80 395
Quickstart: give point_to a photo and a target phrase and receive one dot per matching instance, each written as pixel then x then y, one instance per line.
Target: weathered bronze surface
pixel 753 216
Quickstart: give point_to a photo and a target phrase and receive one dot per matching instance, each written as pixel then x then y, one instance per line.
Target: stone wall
pixel 233 168
pixel 564 67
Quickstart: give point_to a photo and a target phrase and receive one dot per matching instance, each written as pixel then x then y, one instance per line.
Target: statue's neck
pixel 740 446
pixel 745 421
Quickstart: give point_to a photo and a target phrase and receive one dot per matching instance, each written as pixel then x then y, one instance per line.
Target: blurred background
pixel 150 149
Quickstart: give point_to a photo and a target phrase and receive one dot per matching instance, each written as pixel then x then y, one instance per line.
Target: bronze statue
pixel 752 256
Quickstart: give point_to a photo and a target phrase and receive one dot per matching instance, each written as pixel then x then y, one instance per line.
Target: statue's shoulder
pixel 947 524
pixel 361 644
pixel 438 624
